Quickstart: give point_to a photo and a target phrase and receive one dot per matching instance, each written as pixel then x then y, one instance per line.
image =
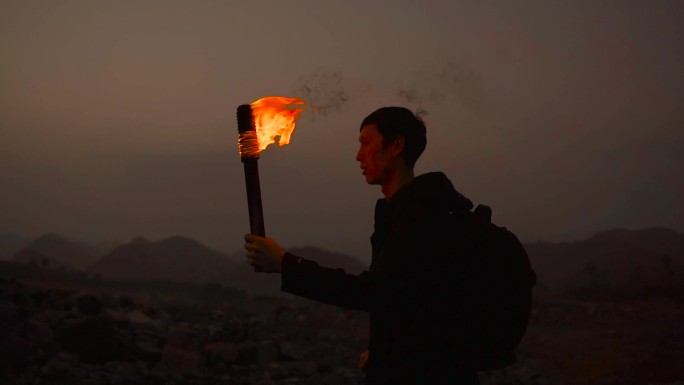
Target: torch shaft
pixel 248 146
pixel 256 214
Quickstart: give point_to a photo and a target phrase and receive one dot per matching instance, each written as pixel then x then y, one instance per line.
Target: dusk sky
pixel 118 117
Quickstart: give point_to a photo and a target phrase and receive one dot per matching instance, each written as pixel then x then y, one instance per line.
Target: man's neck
pixel 398 179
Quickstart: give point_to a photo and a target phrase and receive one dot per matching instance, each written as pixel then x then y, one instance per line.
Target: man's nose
pixel 358 155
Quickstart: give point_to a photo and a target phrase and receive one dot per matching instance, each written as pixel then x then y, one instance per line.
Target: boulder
pixel 62 366
pixel 290 351
pixel 89 305
pixel 220 353
pixel 285 370
pixel 181 361
pixel 258 353
pixel 92 339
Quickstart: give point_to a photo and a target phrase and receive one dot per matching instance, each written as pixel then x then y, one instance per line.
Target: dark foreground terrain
pixel 92 332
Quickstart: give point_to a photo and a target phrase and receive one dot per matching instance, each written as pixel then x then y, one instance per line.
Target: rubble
pixel 60 335
pixel 67 336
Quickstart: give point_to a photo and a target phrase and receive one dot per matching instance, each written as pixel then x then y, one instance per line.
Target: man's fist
pixel 264 254
pixel 363 360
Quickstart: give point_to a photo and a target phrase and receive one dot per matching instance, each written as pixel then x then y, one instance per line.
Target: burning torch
pixel 258 125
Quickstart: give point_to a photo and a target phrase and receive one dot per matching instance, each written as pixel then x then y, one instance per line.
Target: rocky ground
pixel 598 341
pixel 68 336
pixel 51 334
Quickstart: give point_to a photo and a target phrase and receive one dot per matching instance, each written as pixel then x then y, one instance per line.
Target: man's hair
pixel 393 122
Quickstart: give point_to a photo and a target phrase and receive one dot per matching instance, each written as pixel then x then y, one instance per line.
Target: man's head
pixel 391 140
pixel 399 122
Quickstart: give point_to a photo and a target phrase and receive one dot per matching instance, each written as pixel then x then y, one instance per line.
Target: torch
pixel 248 146
pixel 258 125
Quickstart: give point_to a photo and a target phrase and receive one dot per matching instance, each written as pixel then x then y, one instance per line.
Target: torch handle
pixel 256 214
pixel 248 146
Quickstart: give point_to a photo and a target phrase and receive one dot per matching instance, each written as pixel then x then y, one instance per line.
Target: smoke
pixel 454 83
pixel 324 91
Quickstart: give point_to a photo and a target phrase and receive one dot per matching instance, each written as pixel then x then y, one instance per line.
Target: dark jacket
pixel 404 290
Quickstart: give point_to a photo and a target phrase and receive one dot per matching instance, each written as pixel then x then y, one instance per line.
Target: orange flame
pixel 275 116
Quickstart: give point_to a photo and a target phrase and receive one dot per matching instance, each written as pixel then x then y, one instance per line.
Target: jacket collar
pixel 430 187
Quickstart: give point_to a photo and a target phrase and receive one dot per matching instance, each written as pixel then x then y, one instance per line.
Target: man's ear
pixel 398 145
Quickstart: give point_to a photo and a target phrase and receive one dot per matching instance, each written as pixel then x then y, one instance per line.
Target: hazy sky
pixel 118 117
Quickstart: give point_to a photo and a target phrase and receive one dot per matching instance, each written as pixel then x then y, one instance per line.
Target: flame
pixel 275 116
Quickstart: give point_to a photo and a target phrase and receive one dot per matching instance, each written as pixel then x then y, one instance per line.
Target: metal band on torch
pixel 248 147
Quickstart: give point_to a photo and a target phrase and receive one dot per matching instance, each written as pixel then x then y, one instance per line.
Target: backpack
pixel 494 292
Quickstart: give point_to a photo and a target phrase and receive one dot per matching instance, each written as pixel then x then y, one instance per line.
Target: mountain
pixel 175 259
pixel 10 244
pixel 39 259
pixel 104 247
pixel 244 277
pixel 61 251
pixel 330 259
pixel 611 259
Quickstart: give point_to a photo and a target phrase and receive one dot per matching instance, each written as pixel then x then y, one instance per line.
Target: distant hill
pixel 61 251
pixel 611 259
pixel 244 277
pixel 616 258
pixel 330 259
pixel 174 259
pixel 38 259
pixel 10 244
pixel 104 247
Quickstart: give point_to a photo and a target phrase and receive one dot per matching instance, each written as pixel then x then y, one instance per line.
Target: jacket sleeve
pixel 332 286
pixel 366 291
pixel 403 276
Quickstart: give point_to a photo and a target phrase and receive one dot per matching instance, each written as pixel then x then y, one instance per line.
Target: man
pixel 410 340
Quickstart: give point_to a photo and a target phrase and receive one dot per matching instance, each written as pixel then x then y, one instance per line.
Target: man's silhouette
pixel 406 287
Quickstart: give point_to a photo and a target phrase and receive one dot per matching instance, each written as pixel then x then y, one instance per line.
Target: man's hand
pixel 363 360
pixel 264 253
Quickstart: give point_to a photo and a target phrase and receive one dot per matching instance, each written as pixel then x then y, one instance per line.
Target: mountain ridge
pixel 610 258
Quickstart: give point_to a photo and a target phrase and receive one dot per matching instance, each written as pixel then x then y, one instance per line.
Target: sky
pixel 117 119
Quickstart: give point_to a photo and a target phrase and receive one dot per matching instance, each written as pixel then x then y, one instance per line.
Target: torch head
pixel 248 144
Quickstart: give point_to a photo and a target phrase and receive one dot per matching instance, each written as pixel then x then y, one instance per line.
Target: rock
pixel 671 383
pixel 259 378
pixel 89 305
pixel 63 365
pixel 108 339
pixel 148 349
pixel 290 351
pixel 220 352
pixel 283 370
pixel 67 304
pixel 93 339
pixel 181 361
pixel 15 349
pixel 138 317
pixel 183 335
pixel 40 334
pixel 23 342
pixel 259 353
pixel 122 373
pixel 8 311
pixel 126 302
pixel 332 379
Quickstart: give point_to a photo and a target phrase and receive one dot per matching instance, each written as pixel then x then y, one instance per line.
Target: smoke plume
pixel 324 90
pixel 453 82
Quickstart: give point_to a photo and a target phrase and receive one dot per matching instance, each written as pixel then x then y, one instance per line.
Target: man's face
pixel 376 160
